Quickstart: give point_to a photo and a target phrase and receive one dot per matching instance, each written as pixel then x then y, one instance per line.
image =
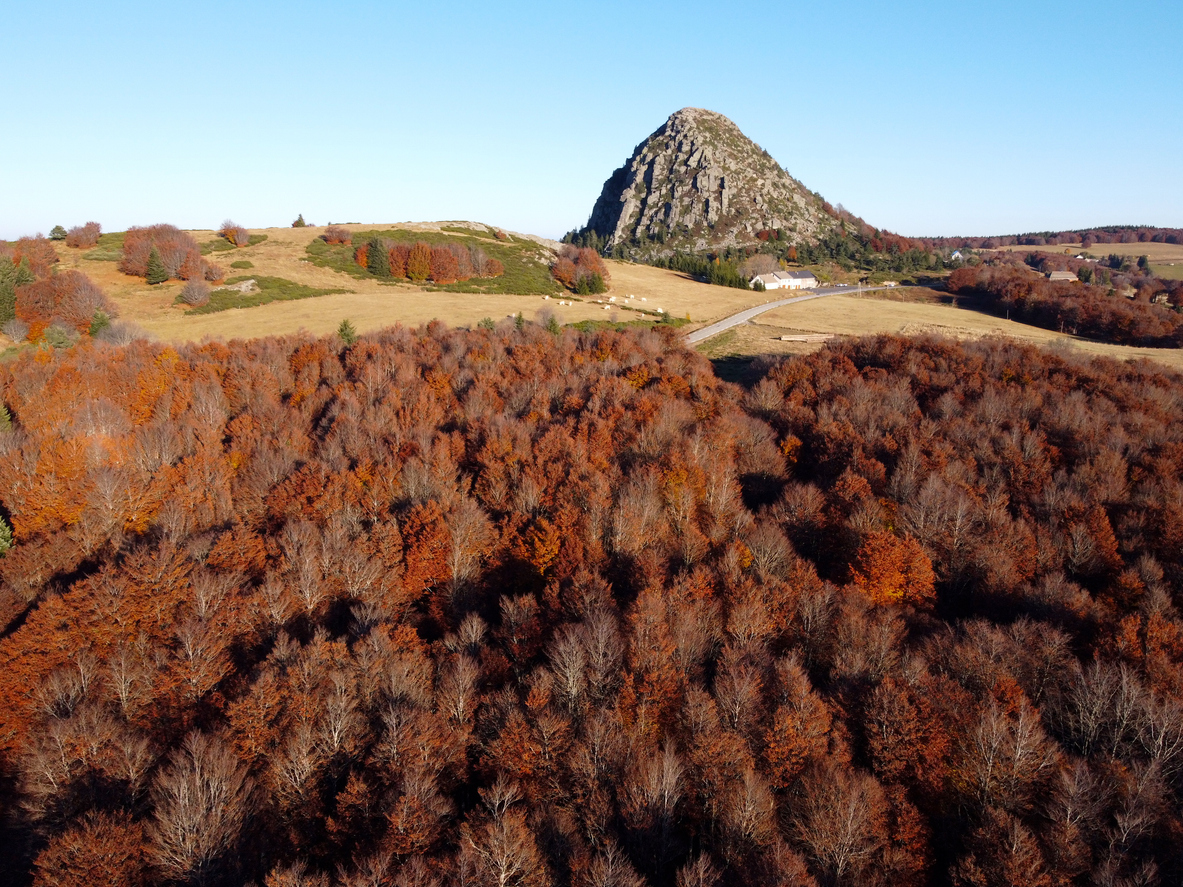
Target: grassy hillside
pixel 527 270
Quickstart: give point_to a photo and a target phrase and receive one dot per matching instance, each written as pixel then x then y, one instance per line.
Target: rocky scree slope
pixel 697 184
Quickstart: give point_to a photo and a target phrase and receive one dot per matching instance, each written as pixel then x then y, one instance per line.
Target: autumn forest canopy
pixel 516 606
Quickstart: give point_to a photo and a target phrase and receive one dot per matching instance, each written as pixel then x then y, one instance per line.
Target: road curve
pixel 747 314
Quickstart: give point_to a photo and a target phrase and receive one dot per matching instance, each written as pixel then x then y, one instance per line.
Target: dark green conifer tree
pixel 377 258
pixel 155 272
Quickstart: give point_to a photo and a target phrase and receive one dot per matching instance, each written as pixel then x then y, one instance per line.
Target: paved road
pixel 748 313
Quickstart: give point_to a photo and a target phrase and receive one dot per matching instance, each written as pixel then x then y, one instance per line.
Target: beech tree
pixel 201 800
pixel 504 604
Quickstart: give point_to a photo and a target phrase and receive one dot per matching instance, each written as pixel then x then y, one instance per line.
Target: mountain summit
pixel 698 183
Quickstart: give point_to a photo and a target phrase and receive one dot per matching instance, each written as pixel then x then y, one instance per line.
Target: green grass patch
pixel 523 275
pixel 1167 272
pixel 222 245
pixel 271 289
pixel 590 326
pixel 108 249
pixel 242 263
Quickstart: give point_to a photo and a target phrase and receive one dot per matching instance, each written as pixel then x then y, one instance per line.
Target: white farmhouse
pixel 786 280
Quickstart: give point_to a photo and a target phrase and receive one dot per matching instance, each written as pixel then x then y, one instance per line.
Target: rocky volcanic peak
pixel 699 183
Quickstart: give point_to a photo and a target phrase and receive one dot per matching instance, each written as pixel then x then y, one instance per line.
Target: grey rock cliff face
pixel 698 183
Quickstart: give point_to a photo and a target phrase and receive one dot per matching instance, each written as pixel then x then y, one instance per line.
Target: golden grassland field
pixel 851 315
pixel 371 304
pixel 1166 259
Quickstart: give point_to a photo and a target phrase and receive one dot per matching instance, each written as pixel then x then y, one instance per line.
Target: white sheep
pixel 643 299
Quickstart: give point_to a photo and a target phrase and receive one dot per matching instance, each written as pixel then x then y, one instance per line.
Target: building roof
pixel 781 276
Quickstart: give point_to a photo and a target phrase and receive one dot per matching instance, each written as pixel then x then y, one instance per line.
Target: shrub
pixel 178 251
pixel 11 276
pixel 59 335
pixel 419 262
pixel 564 272
pixel 493 268
pixel 121 333
pixel 154 271
pixel 69 298
pixel 591 284
pixel 37 251
pixel 195 292
pixel 581 270
pixel 242 264
pixel 16 329
pixel 300 223
pixel 57 233
pixel 84 236
pixel 235 234
pixel 337 234
pixel 214 272
pixel 98 323
pixel 361 255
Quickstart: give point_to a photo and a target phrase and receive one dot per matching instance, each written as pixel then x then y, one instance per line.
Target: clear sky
pixel 925 118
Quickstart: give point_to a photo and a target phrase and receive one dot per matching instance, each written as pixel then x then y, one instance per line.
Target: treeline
pixel 419 262
pixel 854 247
pixel 1087 237
pixel 518 607
pixel 1090 310
pixel 707 268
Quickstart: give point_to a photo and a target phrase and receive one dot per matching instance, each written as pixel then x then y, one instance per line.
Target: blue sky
pixel 922 117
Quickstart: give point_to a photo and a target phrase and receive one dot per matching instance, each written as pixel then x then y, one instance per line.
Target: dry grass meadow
pixel 1166 259
pixel 371 305
pixel 850 315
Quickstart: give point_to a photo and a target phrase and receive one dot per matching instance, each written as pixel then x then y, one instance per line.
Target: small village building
pixel 786 280
pixel 1062 276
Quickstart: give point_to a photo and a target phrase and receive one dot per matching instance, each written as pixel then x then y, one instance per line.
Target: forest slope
pixel 505 606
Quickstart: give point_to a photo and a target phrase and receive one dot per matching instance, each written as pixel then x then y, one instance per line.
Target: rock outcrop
pixel 698 183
